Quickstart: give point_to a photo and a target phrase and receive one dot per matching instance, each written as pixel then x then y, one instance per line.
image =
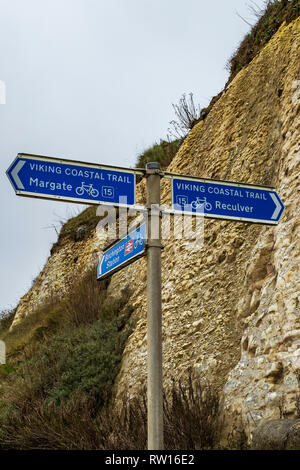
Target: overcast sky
pixel 95 80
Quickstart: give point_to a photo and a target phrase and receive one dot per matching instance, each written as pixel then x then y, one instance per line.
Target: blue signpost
pixel 123 252
pixel 224 200
pixel 66 180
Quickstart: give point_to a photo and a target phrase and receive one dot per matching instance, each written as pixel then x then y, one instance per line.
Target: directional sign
pixel 67 180
pixel 224 200
pixel 123 252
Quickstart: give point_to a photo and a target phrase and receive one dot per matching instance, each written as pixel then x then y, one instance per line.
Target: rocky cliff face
pixel 231 310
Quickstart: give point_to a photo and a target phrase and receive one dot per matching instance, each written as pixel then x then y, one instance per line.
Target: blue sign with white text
pixel 123 252
pixel 87 183
pixel 234 201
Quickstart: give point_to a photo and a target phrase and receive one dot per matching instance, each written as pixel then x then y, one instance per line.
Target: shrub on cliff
pixel 83 355
pixel 86 301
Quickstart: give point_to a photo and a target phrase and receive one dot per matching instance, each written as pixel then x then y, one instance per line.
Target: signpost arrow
pixel 67 180
pixel 15 174
pixel 225 200
pixel 124 252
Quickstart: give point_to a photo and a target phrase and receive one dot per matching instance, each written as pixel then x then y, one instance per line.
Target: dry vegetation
pixel 268 21
pixel 192 421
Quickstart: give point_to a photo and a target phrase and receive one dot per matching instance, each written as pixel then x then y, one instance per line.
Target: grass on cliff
pixel 269 21
pixel 87 220
pixel 164 152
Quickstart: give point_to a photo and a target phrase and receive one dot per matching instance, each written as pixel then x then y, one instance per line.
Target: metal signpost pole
pixel 154 320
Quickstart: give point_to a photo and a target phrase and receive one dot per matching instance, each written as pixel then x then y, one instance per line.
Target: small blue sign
pixel 123 252
pixel 51 178
pixel 233 201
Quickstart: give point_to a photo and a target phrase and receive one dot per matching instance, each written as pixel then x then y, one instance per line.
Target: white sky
pixel 95 80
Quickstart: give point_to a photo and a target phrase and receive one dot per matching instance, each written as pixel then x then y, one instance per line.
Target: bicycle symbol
pixel 202 203
pixel 138 241
pixel 87 188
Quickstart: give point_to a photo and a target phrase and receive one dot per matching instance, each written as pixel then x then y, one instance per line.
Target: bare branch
pixel 187 114
pixel 242 18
